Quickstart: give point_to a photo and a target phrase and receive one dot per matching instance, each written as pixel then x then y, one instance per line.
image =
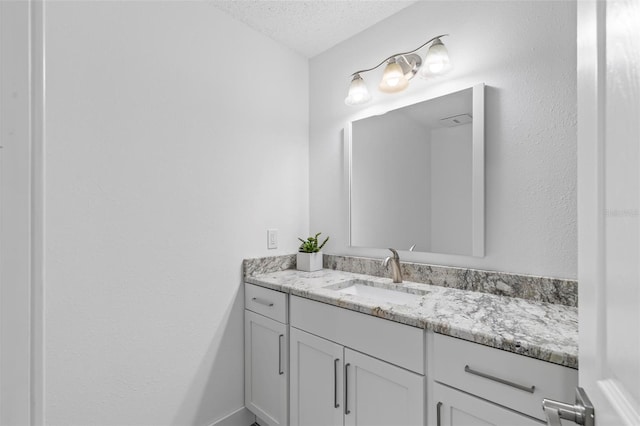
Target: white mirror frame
pixel 477 190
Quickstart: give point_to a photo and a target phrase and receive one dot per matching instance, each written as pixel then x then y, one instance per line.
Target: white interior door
pixel 609 207
pixel 16 214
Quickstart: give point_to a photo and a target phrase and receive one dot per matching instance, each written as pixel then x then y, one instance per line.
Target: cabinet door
pixel 265 368
pixel 378 393
pixel 455 408
pixel 316 380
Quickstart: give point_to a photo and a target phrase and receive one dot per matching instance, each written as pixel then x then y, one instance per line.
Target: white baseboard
pixel 240 417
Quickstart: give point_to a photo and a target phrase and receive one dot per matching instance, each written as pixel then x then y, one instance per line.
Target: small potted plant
pixel 309 256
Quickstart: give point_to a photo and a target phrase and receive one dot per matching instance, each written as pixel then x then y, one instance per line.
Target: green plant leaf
pixel 311 244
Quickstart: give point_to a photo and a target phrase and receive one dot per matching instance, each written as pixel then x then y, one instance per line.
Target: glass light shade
pixel 437 61
pixel 358 92
pixel 393 79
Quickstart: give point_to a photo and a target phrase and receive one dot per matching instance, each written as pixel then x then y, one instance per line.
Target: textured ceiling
pixel 310 27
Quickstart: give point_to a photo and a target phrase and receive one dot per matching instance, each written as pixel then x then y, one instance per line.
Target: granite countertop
pixel 545 331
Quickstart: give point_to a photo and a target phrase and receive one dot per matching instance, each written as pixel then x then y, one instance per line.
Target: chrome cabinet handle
pixel 336 404
pixel 553 416
pixel 529 389
pixel 262 301
pixel 346 389
pixel 280 369
pixel 438 415
pixel 581 413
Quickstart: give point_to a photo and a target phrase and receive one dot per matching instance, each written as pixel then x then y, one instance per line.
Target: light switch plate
pixel 272 239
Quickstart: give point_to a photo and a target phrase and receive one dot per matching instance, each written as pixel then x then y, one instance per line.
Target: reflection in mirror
pixel 417 176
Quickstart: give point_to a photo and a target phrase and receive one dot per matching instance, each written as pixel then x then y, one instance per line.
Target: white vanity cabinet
pixel 317 377
pixel 266 338
pixel 478 385
pixel 379 393
pixel 334 383
pixel 309 363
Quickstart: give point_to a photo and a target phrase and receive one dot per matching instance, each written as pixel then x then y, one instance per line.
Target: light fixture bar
pixel 400 54
pixel 399 69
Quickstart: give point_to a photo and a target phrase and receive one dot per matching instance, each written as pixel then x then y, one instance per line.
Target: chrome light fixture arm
pixel 400 68
pixel 399 55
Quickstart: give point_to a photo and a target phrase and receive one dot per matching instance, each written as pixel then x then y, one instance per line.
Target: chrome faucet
pixel 396 273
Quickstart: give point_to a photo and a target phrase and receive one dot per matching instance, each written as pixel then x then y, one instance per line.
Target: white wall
pixel 175 136
pixel 525 53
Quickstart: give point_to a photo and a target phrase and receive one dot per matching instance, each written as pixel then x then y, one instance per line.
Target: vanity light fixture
pixel 393 78
pixel 401 67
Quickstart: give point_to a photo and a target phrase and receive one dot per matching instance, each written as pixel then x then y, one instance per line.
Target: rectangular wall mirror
pixel 416 176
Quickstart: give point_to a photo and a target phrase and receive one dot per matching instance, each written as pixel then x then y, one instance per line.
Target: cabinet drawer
pixel 455 408
pixel 390 341
pixel 267 302
pixel 508 379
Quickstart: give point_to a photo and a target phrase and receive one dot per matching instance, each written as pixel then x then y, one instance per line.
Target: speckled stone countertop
pixel 545 331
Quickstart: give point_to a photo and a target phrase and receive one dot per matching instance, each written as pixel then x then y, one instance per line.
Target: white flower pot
pixel 309 262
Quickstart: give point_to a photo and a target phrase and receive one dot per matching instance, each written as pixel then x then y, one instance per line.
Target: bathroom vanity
pixel 339 348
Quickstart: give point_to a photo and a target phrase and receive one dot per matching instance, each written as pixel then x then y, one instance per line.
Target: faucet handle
pixel 395 254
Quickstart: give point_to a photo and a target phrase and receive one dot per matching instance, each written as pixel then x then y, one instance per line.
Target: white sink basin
pixel 391 293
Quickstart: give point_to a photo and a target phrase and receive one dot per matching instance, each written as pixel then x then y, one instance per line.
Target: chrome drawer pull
pixel 262 301
pixel 280 369
pixel 336 404
pixel 346 389
pixel 529 389
pixel 438 415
